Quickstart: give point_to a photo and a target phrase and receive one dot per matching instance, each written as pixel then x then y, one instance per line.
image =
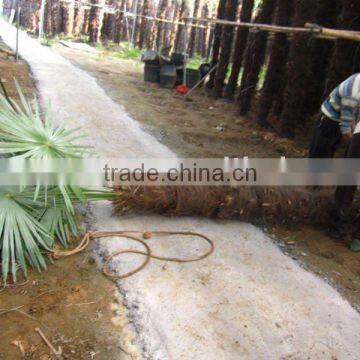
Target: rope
pixel 147 252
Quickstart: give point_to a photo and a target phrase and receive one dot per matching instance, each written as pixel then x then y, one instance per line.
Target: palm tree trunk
pixel 48 24
pixel 153 27
pixel 298 66
pixel 173 27
pixel 119 19
pixel 240 44
pixel 78 19
pixel 68 17
pixel 216 42
pixel 320 55
pixel 163 5
pixel 345 58
pixel 86 23
pixel 96 17
pixel 193 30
pixel 204 42
pixel 144 24
pixel 225 48
pixel 138 21
pixel 179 39
pixel 277 62
pixel 254 57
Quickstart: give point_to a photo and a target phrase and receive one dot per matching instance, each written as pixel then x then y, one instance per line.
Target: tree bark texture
pixel 254 57
pixel 277 63
pixel 345 58
pixel 225 48
pixel 96 17
pixel 216 43
pixel 298 71
pixel 193 30
pixel 240 45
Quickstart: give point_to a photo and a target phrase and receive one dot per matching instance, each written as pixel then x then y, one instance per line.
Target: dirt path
pixel 248 300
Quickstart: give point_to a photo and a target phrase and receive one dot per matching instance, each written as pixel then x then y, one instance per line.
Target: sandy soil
pixel 73 304
pixel 189 128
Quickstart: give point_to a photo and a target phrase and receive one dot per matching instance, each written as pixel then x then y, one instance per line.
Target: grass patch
pixel 195 62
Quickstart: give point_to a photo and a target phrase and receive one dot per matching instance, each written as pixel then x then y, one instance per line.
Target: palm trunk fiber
pixel 144 25
pixel 138 22
pixel 254 57
pixel 225 48
pixel 172 27
pixel 30 16
pixel 345 59
pixel 179 38
pixel 86 23
pixel 277 63
pixel 193 30
pixel 163 5
pixel 153 28
pixel 270 205
pixel 298 71
pixel 326 15
pixel 204 42
pixel 96 20
pixel 68 17
pixel 78 20
pixel 48 25
pixel 108 27
pixel 240 44
pixel 216 42
pixel 119 19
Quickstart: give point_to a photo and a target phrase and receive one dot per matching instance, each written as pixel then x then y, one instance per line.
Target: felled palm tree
pixel 33 218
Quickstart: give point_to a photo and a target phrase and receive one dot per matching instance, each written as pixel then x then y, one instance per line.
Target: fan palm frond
pixel 31 219
pixel 23 133
pixel 22 237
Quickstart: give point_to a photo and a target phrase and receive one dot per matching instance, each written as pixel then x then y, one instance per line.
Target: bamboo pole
pixel 312 29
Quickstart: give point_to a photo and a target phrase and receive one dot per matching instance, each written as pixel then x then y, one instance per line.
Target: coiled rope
pixel 147 250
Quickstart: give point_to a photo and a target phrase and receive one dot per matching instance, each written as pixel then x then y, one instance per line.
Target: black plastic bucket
pixel 192 77
pixel 152 73
pixel 177 59
pixel 168 76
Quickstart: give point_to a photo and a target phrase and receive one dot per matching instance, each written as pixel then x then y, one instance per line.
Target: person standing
pixel 339 122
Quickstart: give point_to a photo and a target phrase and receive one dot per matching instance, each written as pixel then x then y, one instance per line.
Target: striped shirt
pixel 343 104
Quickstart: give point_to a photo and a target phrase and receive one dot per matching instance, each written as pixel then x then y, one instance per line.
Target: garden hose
pixel 147 250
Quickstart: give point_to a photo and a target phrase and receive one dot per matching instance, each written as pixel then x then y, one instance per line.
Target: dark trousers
pixel 344 195
pixel 326 140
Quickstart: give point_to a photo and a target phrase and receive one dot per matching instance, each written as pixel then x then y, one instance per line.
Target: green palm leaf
pixel 22 237
pixel 32 218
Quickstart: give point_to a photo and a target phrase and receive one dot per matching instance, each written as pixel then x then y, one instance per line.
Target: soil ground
pixel 72 303
pixel 189 129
